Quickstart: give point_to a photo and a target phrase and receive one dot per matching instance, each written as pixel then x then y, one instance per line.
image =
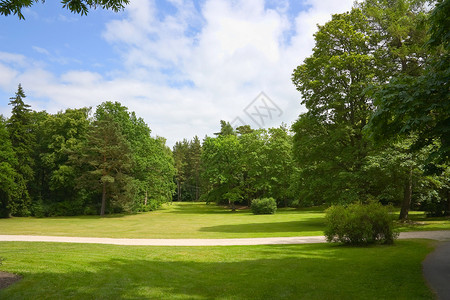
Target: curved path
pixel 436 270
pixel 435 235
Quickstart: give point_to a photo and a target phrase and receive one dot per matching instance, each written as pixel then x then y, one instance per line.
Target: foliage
pixel 359 224
pixel 356 54
pixel 82 7
pixel 264 206
pixel 8 174
pixel 152 162
pixel 188 164
pixel 20 131
pixel 106 163
pixel 251 164
pixel 420 104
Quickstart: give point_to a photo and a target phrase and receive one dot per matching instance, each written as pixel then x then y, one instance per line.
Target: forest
pixel 377 127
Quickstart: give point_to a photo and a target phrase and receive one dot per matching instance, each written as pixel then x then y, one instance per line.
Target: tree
pixel 106 158
pixel 82 7
pixel 23 142
pixel 8 174
pixel 329 145
pixel 355 54
pixel 221 159
pixel 420 105
pixel 59 136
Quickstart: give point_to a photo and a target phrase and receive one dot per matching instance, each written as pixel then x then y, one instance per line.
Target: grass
pixel 195 220
pixel 179 220
pixel 419 222
pixel 315 271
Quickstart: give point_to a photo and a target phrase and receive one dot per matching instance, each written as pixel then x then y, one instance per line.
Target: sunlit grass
pixel 179 220
pixel 315 271
pixel 195 220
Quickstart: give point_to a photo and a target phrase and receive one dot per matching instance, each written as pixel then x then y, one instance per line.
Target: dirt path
pixel 435 235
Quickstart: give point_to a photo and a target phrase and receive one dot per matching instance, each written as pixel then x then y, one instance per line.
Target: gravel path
pixel 435 235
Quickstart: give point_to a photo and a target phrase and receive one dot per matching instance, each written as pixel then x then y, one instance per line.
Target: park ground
pixel 314 271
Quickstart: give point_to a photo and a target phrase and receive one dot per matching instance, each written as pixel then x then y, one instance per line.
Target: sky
pixel 180 65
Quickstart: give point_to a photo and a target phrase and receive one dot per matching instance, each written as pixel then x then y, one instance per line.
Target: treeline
pixel 377 127
pixel 81 162
pixel 236 166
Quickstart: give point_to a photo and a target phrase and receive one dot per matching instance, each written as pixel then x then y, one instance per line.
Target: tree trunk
pixel 407 194
pixel 146 197
pixel 102 209
pixel 178 191
pixel 231 203
pixel 447 211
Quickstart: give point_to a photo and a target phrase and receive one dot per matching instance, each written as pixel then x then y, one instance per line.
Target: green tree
pixel 8 174
pixel 59 136
pixel 148 155
pixel 106 157
pixel 355 54
pixel 223 172
pixel 19 127
pixel 328 144
pixel 82 7
pixel 420 105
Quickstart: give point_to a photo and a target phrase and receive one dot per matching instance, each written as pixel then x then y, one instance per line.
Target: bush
pixel 264 206
pixel 359 224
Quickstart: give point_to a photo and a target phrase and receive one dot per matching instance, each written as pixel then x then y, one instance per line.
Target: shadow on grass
pixel 289 272
pixel 292 226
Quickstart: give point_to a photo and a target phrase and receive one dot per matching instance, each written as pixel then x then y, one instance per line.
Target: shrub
pixel 264 206
pixel 359 224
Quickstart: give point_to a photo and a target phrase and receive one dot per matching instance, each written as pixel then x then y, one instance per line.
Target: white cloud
pixel 184 72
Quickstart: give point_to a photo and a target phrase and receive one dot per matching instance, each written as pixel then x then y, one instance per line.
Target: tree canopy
pixel 8 7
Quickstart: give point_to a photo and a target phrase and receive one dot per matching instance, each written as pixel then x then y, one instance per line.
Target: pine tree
pixel 22 142
pixel 106 158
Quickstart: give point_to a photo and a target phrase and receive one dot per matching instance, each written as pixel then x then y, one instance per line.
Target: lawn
pixel 179 220
pixel 314 271
pixel 195 220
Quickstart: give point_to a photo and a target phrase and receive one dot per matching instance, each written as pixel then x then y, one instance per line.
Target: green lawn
pixel 194 220
pixel 314 271
pixel 179 220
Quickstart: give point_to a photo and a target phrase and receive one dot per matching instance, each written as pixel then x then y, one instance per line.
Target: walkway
pixel 435 235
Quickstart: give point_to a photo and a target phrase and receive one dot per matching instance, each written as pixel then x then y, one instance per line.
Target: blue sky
pixel 181 65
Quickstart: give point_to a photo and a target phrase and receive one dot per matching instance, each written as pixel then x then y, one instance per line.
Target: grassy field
pixel 193 220
pixel 315 271
pixel 179 220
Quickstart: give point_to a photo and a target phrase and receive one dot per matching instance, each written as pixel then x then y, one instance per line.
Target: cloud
pixel 40 50
pixel 185 69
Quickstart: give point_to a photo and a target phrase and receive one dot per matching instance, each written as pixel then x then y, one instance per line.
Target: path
pixel 435 235
pixel 436 269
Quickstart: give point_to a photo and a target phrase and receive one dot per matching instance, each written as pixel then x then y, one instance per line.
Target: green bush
pixel 359 224
pixel 264 206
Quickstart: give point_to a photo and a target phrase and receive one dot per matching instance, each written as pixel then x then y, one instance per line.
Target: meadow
pixel 314 271
pixel 195 220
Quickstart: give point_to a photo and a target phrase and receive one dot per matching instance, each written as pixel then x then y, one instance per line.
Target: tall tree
pixel 329 145
pixel 107 159
pixel 8 174
pixel 60 135
pixel 221 159
pixel 23 141
pixel 420 105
